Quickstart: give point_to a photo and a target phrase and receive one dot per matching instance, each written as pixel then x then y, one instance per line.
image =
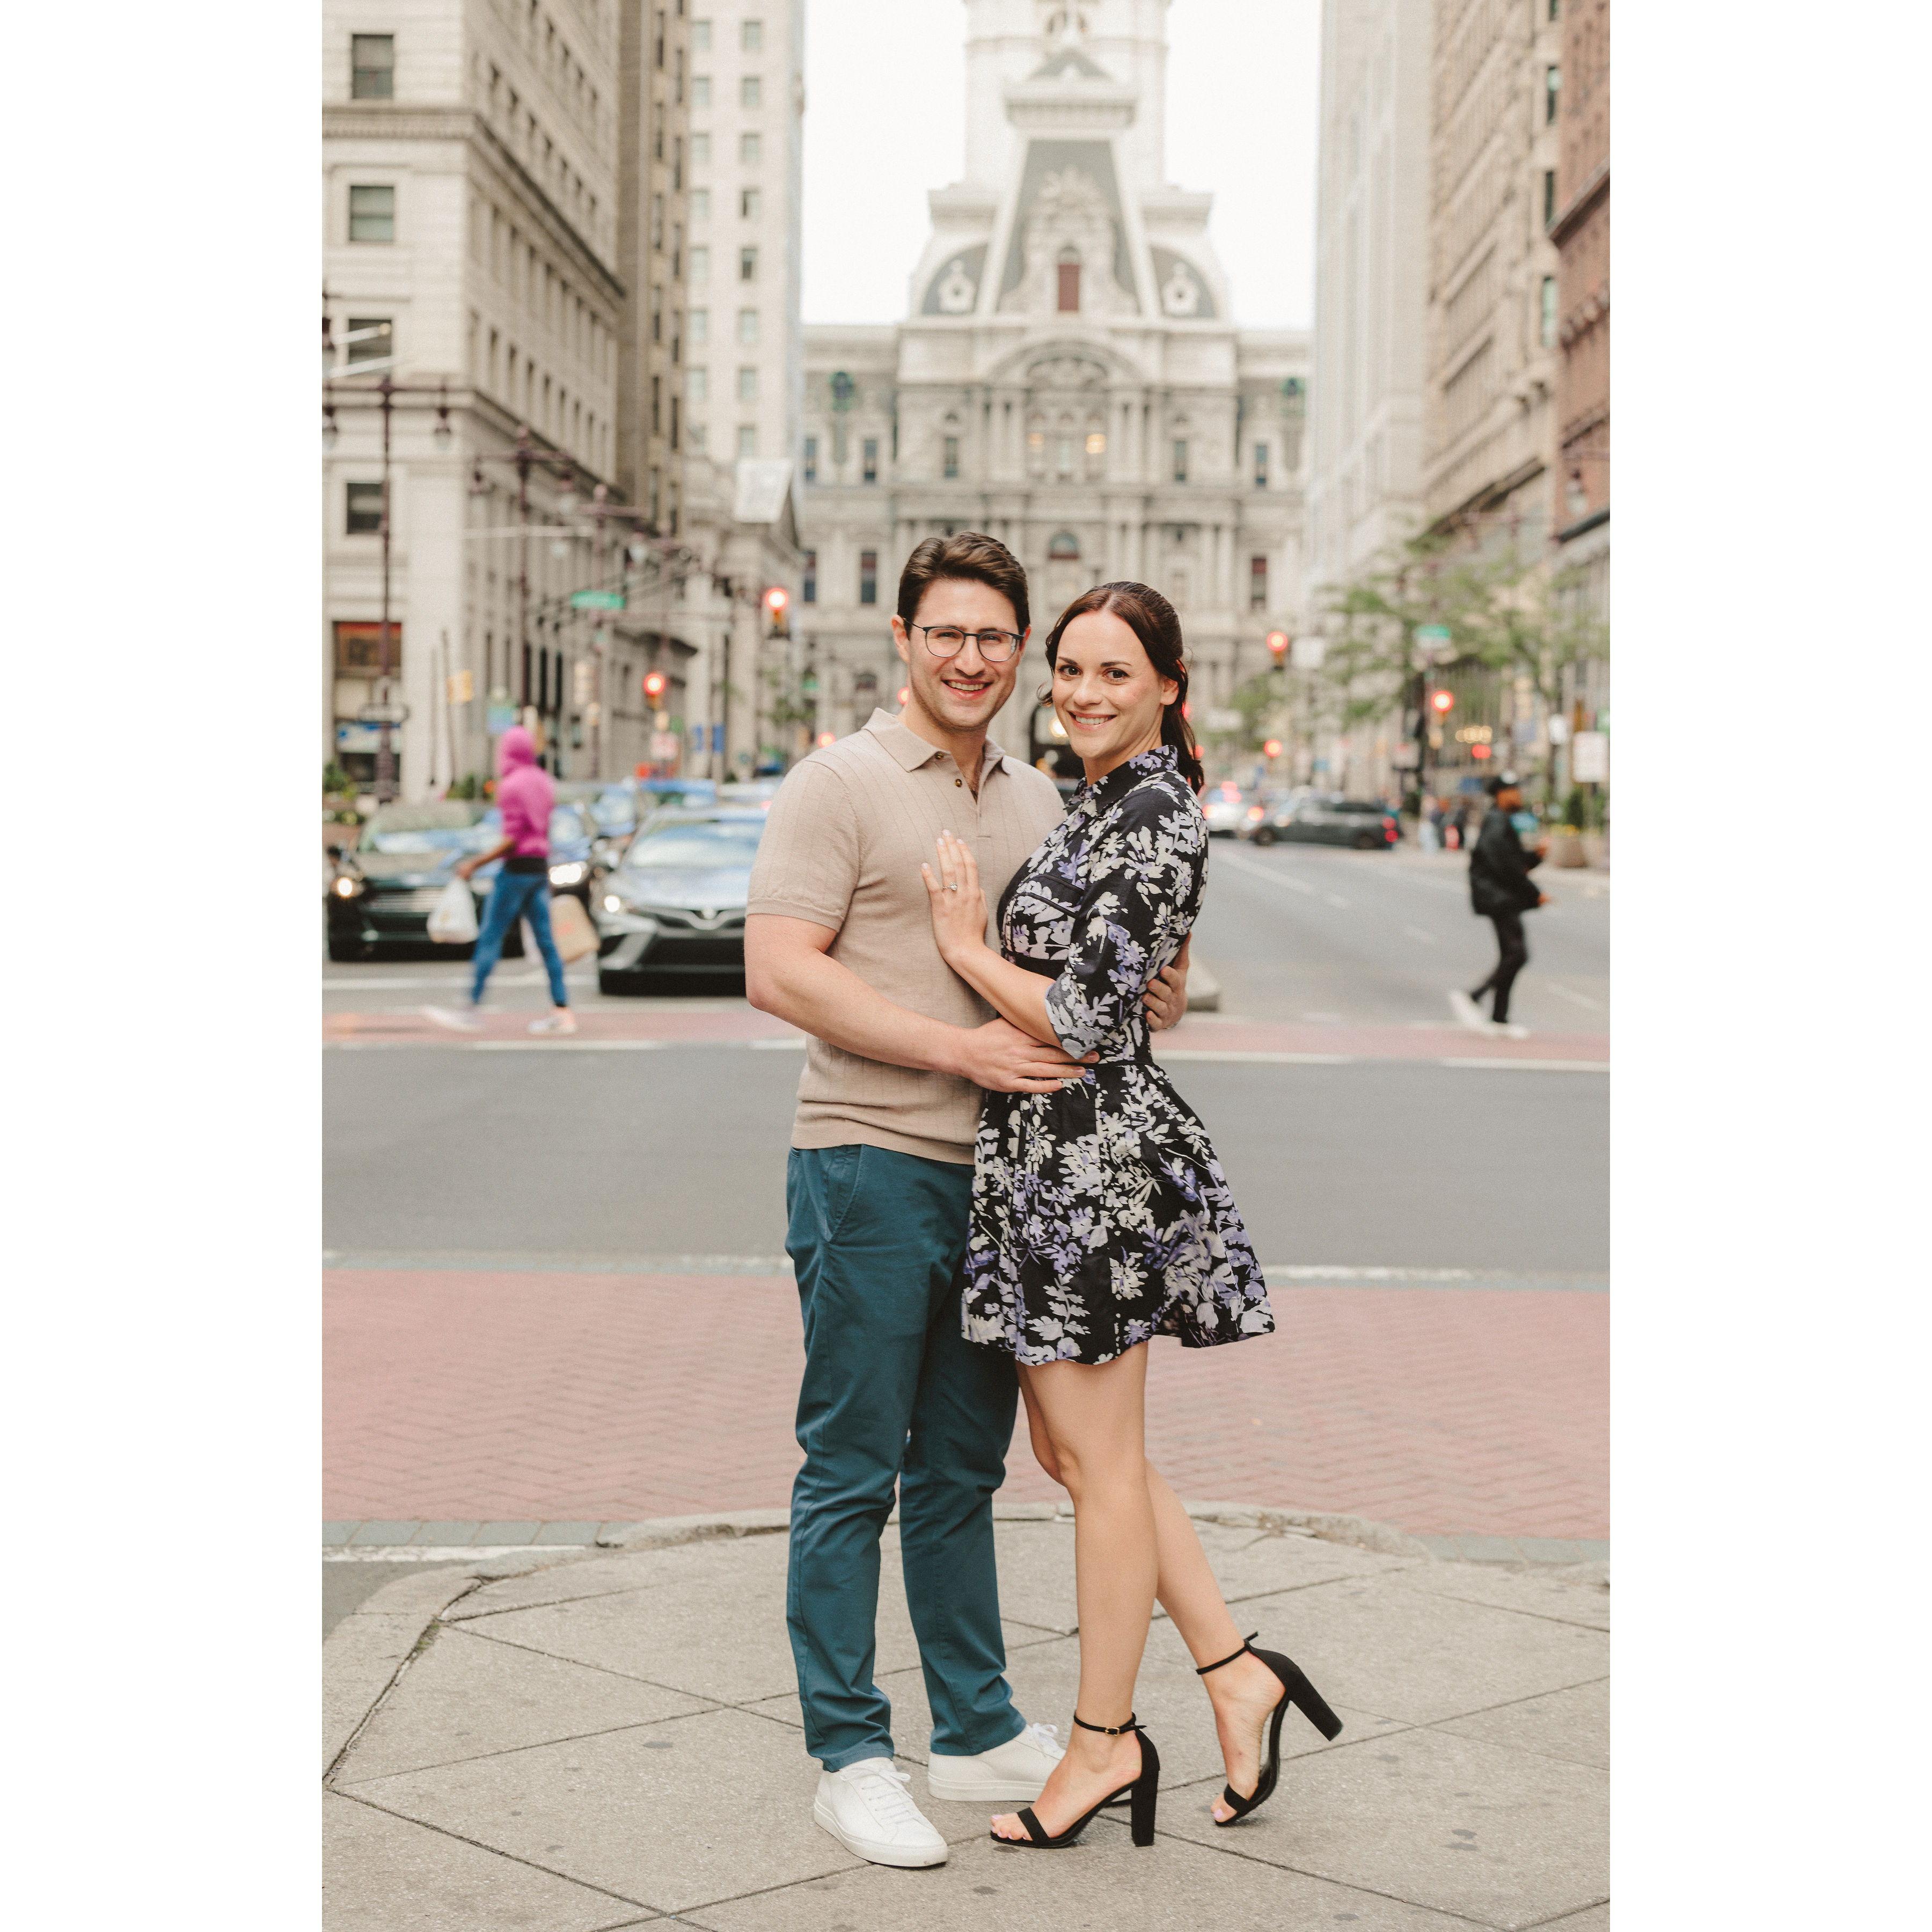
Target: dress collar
pixel 1124 778
pixel 910 750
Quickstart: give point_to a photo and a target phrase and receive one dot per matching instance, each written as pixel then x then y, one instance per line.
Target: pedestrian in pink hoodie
pixel 525 794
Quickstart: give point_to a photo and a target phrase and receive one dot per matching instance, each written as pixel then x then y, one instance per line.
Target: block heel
pixel 1295 1689
pixel 1143 1796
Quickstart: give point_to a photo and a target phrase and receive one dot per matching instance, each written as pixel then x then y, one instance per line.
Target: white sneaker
pixel 445 1016
pixel 559 1019
pixel 1468 1013
pixel 1509 1029
pixel 1015 1773
pixel 867 1808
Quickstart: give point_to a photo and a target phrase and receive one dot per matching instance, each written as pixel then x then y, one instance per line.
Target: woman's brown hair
pixel 1153 619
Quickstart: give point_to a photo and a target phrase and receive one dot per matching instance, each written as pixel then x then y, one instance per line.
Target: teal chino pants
pixel 893 1396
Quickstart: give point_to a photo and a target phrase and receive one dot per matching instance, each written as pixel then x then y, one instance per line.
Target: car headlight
pixel 571 874
pixel 612 903
pixel 346 887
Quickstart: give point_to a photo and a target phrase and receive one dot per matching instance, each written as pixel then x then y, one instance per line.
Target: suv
pixel 1318 820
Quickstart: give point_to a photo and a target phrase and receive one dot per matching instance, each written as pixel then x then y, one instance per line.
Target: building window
pixel 747 441
pixel 812 464
pixel 1549 195
pixel 700 90
pixel 1180 459
pixel 700 36
pixel 358 649
pixel 372 214
pixel 1547 330
pixel 364 505
pixel 700 435
pixel 751 150
pixel 674 422
pixel 869 577
pixel 750 91
pixel 700 151
pixel 1096 443
pixel 698 324
pixel 701 205
pixel 370 338
pixel 747 325
pixel 749 205
pixel 1069 284
pixel 701 265
pixel 751 37
pixel 1063 451
pixel 871 460
pixel 748 264
pixel 951 459
pixel 1555 10
pixel 1553 86
pixel 748 386
pixel 657 221
pixel 698 385
pixel 1062 548
pixel 1258 583
pixel 808 592
pixel 1260 466
pixel 372 65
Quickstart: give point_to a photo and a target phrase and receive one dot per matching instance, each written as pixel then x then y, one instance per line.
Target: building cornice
pixel 1568 220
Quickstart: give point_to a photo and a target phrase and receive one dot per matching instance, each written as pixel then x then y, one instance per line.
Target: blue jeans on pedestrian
pixel 893 1395
pixel 517 895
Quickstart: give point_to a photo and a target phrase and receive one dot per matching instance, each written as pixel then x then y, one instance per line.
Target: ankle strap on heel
pixel 1203 1669
pixel 1133 1723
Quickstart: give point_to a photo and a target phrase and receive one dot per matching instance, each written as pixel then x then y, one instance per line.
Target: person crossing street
pixel 1501 890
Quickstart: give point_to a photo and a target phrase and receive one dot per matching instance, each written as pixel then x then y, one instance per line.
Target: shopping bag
pixel 452 919
pixel 570 926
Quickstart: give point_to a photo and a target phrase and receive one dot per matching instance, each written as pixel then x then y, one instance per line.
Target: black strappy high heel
pixel 1295 1689
pixel 1141 1794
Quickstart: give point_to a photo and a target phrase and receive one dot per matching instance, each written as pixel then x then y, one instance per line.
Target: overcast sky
pixel 885 120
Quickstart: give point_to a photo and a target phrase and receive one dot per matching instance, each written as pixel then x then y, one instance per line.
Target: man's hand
pixel 1165 998
pixel 1000 1058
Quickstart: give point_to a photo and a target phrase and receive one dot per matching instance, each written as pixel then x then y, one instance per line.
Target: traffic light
pixel 777 601
pixel 656 685
pixel 1442 703
pixel 1272 749
pixel 1277 642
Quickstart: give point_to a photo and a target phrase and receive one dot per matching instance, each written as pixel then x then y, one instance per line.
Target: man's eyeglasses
pixel 948 641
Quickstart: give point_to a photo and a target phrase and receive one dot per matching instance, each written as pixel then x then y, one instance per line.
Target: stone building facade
pixel 506 240
pixel 1493 304
pixel 1067 378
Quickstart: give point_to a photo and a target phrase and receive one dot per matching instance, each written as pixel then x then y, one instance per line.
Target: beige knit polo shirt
pixel 843 844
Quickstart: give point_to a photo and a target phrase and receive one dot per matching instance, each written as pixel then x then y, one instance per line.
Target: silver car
pixel 676 903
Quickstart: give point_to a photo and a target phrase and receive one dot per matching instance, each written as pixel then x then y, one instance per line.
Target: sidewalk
pixel 576 1743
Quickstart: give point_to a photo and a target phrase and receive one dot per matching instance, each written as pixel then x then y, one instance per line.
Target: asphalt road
pixel 607 1158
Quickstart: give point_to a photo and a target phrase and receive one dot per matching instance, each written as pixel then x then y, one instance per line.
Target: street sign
pixel 1432 636
pixel 461 687
pixel 383 714
pixel 663 745
pixel 500 718
pixel 1590 757
pixel 597 600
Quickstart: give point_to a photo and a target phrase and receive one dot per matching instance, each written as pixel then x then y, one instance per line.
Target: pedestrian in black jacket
pixel 1501 889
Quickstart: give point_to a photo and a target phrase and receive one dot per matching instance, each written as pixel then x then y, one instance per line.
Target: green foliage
pixel 334 780
pixel 468 786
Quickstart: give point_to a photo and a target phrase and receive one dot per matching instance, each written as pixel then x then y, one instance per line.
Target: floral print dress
pixel 1100 1216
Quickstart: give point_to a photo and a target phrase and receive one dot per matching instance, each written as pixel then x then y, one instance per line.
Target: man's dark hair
pixel 970 557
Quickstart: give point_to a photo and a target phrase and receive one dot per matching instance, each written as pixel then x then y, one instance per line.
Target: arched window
pixel 1063 548
pixel 1069 281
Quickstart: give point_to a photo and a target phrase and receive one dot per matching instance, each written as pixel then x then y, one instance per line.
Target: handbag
pixel 570 926
pixel 452 919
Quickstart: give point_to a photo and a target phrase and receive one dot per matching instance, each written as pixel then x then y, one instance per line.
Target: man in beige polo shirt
pixel 838 941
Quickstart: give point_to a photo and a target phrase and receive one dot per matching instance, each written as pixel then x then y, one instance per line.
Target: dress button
pixel 958 781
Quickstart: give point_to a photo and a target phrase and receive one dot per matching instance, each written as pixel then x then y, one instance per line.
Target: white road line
pixel 1578 999
pixel 1256 1059
pixel 580 1046
pixel 1268 872
pixel 1535 1066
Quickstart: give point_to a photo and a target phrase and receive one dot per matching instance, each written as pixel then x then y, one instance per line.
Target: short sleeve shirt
pixel 842 847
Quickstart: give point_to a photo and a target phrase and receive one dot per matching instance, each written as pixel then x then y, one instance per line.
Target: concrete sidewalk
pixel 572 1742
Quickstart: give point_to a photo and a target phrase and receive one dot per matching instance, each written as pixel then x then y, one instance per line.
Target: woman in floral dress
pixel 1101 1217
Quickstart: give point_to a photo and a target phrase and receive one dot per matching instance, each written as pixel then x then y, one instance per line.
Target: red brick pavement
pixel 503 1396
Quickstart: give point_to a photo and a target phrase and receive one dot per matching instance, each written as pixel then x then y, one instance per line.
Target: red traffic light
pixel 1272 749
pixel 905 692
pixel 656 684
pixel 1277 642
pixel 1441 702
pixel 1479 750
pixel 778 600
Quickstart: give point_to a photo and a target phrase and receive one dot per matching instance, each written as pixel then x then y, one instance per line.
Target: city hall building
pixel 1068 380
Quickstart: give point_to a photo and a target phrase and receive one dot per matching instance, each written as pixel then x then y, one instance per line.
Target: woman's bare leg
pixel 1242 1693
pixel 1094 1419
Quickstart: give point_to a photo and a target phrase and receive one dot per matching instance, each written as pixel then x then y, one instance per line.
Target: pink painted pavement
pixel 498 1396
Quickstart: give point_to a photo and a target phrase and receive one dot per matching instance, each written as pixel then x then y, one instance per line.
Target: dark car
pixel 676 904
pixel 574 864
pixel 1319 820
pixel 381 893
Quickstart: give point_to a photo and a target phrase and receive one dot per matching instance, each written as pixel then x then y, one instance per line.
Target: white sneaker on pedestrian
pixel 445 1016
pixel 1509 1029
pixel 1467 1011
pixel 561 1020
pixel 1016 1772
pixel 867 1809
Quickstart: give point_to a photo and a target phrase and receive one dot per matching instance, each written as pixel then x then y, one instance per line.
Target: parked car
pixel 380 894
pixel 1263 805
pixel 1223 804
pixel 1318 818
pixel 758 792
pixel 676 904
pixel 573 864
